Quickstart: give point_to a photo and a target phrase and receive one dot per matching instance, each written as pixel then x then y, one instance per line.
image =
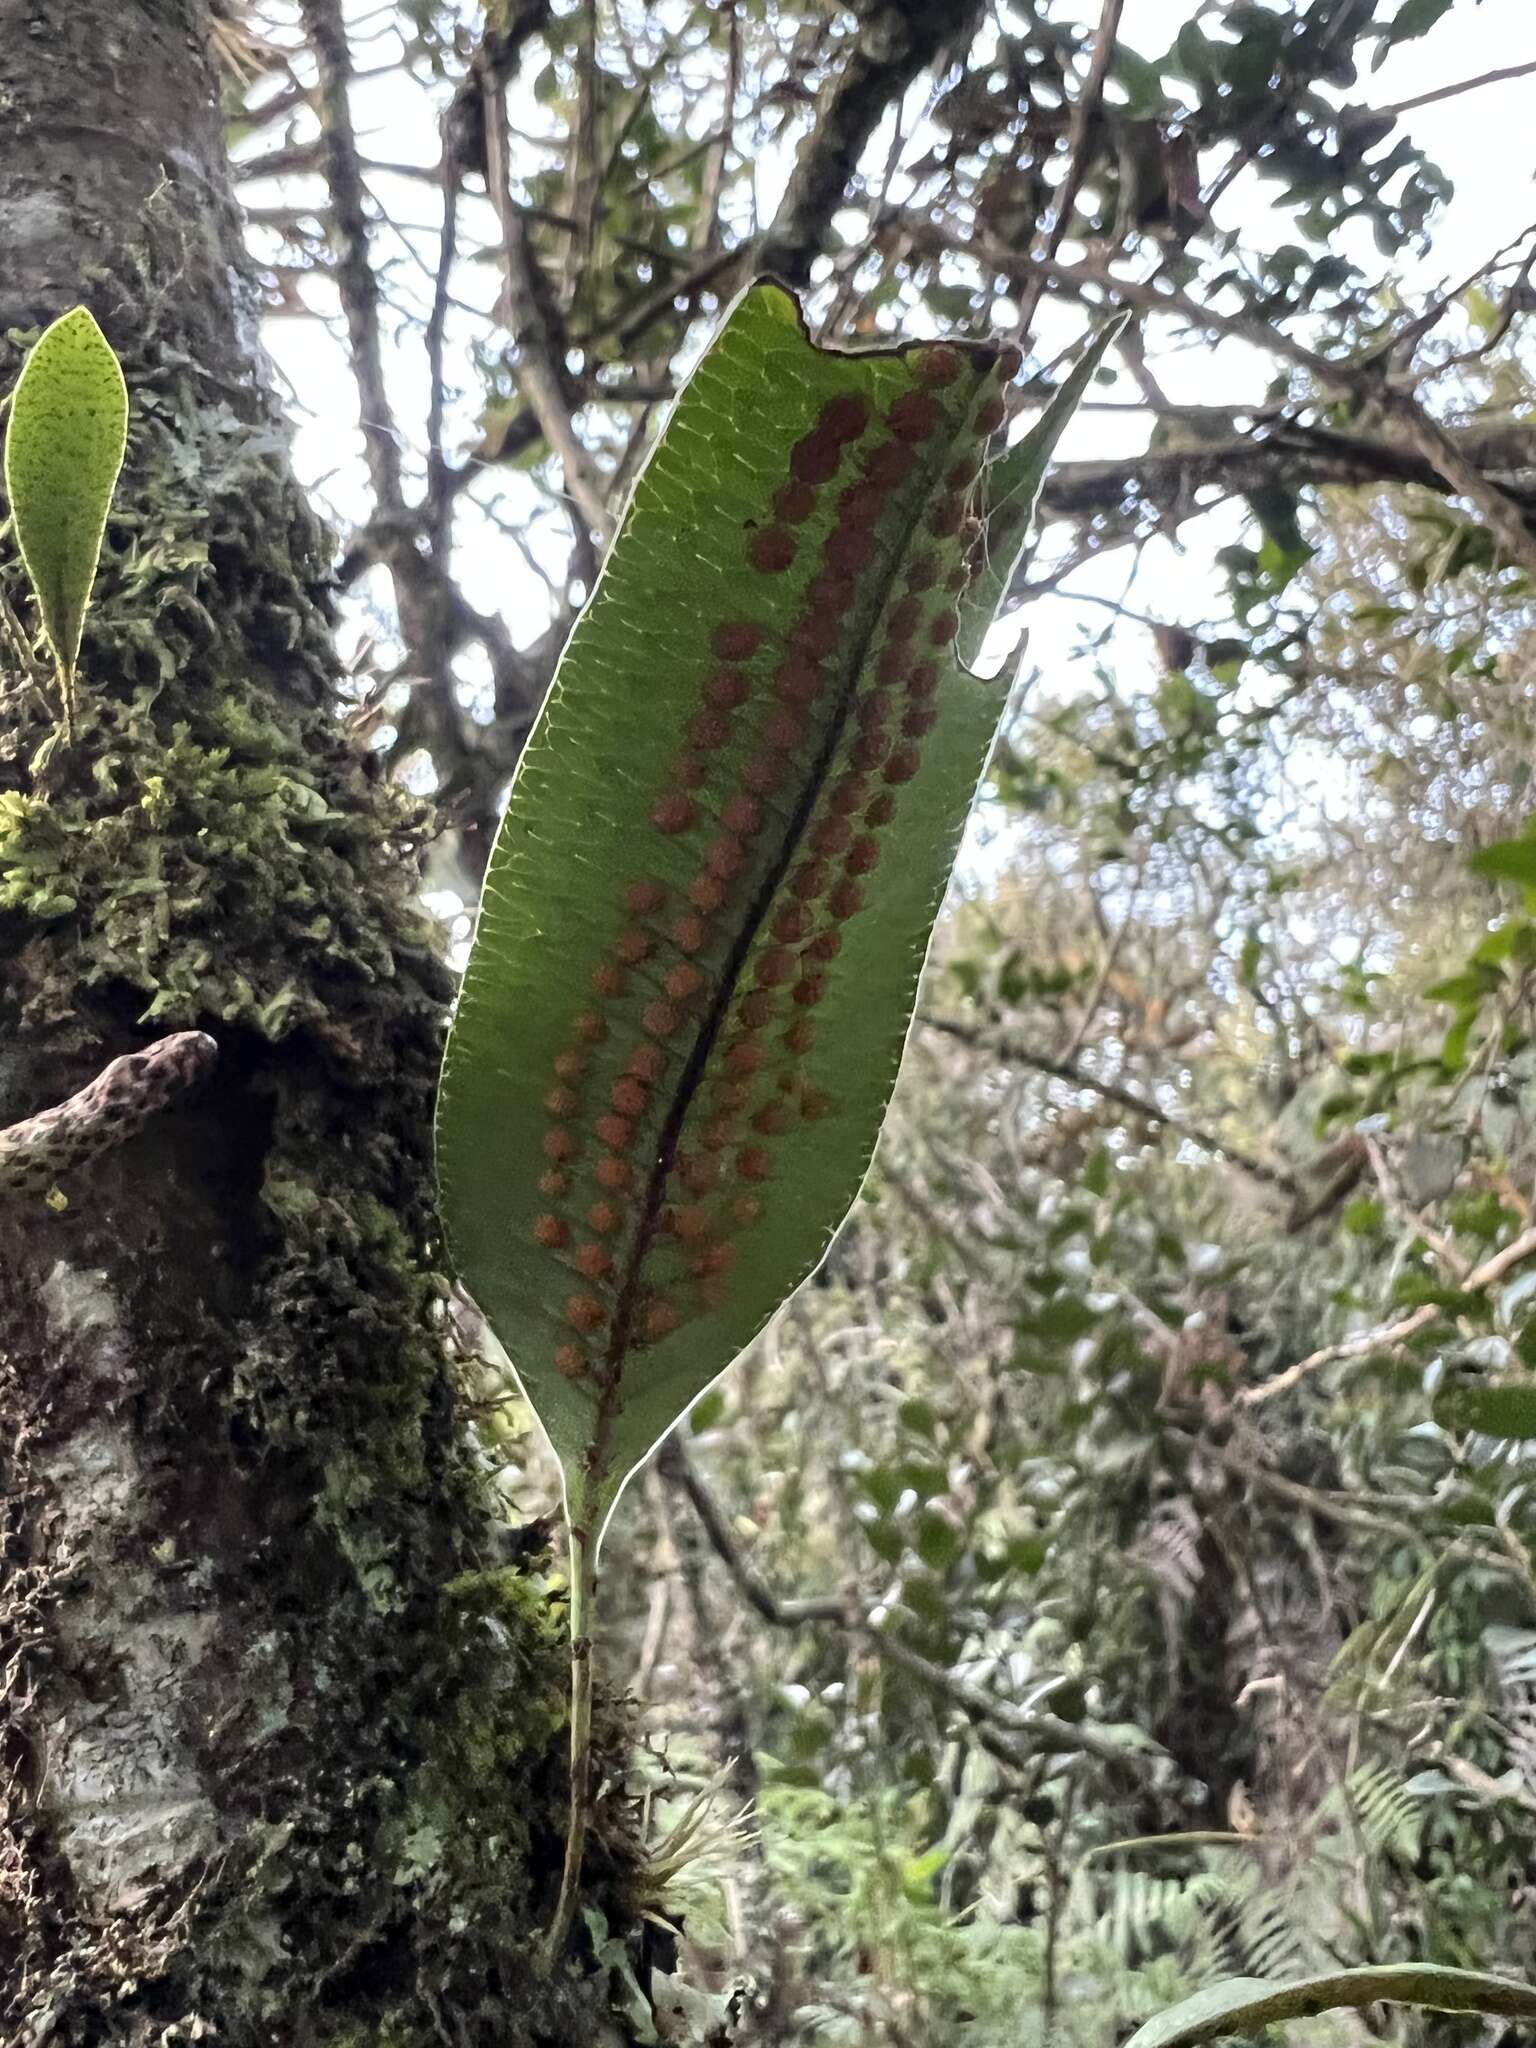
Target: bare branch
pixel 1045 1731
pixel 896 41
pixel 536 330
pixel 1164 487
pixel 706 235
pixel 1497 508
pixel 1083 115
pixel 1010 1050
pixel 1389 1335
pixel 1447 92
pixel 355 280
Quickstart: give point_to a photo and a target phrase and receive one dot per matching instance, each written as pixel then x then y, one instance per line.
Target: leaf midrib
pixel 754 917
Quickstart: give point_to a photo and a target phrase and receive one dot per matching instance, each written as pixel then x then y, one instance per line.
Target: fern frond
pixel 1169 1546
pixel 1269 1937
pixel 1512 1652
pixel 1389 1816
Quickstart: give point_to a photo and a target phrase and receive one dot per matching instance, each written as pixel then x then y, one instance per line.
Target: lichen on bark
pixel 284 1729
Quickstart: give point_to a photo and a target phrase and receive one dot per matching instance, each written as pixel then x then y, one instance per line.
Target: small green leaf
pixel 883 1486
pixel 1362 1217
pixel 63 452
pixel 1025 1554
pixel 706 1411
pixel 1063 1320
pixel 1495 1411
pixel 1508 860
pixel 937 1544
pixel 1503 942
pixel 919 1417
pixel 1415 18
pixel 1467 987
pixel 925 1478
pixel 1245 2005
pixel 917 1878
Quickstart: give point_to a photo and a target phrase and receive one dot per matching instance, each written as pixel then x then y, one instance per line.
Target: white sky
pixel 1485 142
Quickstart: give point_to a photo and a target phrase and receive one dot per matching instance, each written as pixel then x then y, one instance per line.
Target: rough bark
pixel 282 1729
pixel 896 39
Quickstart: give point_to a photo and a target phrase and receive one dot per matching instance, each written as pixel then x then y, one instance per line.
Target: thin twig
pixel 1109 604
pixel 1049 1731
pixel 1081 135
pixel 1347 1511
pixel 1494 506
pixel 1389 1335
pixel 1447 92
pixel 1108 959
pixel 707 228
pixel 1015 1054
pixel 531 317
pixel 438 502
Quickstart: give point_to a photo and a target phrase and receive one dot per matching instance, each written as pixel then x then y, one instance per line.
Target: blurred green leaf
pixel 1494 1411
pixel 1246 2005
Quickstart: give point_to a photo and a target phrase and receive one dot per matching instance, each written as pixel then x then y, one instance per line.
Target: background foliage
pixel 1116 1570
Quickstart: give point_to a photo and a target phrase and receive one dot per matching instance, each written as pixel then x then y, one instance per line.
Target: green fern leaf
pixel 1268 1936
pixel 710 899
pixel 1389 1815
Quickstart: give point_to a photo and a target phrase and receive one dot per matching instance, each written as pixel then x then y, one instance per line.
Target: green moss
pixel 453 1833
pixel 509 1612
pixel 212 851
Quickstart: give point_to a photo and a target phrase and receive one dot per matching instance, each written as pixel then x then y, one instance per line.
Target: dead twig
pixel 1388 1335
pixel 1077 1076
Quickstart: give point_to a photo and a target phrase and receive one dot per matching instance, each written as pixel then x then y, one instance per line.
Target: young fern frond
pixel 1225 1918
pixel 1266 1935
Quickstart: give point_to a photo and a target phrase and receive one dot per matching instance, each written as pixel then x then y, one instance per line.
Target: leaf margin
pixel 1242 2005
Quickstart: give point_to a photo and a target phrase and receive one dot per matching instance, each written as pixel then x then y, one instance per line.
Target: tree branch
pixel 896 41
pixel 355 280
pixel 537 334
pixel 1447 92
pixel 1046 1731
pixel 1084 112
pixel 1015 1054
pixel 1389 1335
pixel 1497 508
pixel 1286 453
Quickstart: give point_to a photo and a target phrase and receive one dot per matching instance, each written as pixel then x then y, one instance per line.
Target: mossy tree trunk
pixel 283 1731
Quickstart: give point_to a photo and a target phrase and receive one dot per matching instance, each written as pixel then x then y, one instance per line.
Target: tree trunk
pixel 283 1730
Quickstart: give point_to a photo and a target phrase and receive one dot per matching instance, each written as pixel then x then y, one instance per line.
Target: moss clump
pixel 213 851
pixel 203 844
